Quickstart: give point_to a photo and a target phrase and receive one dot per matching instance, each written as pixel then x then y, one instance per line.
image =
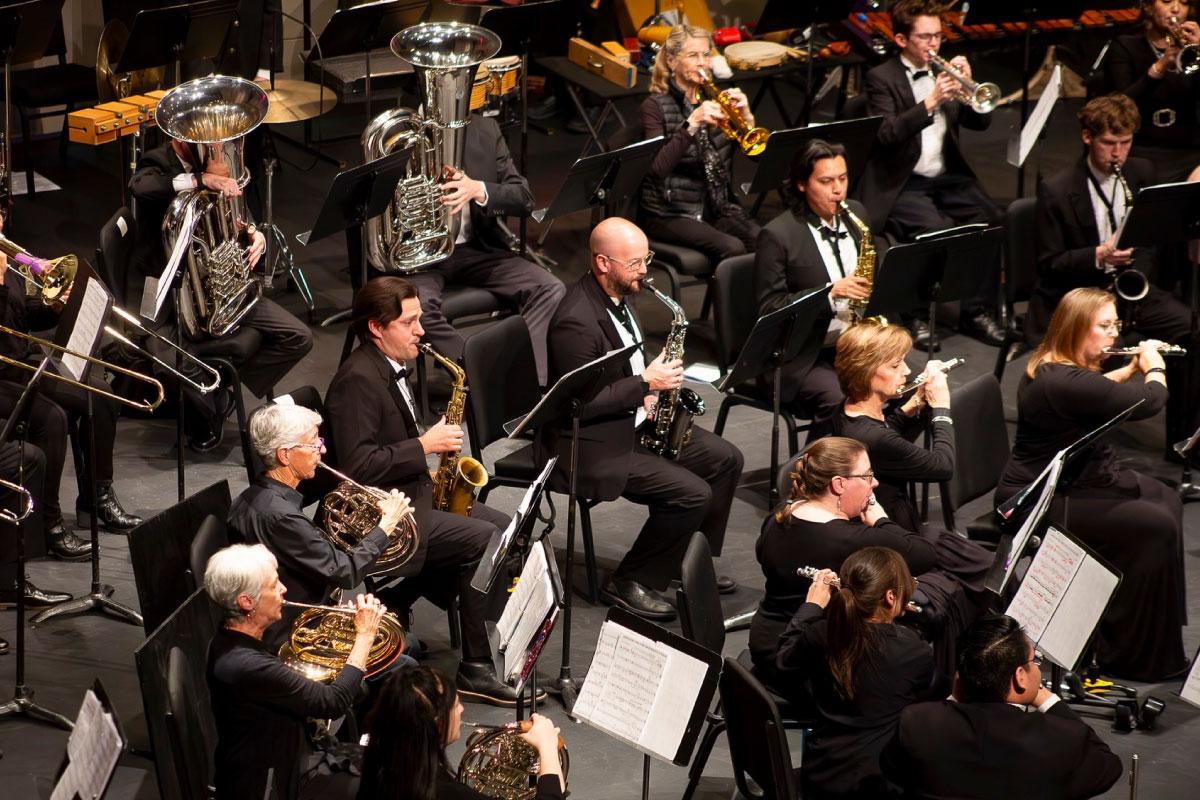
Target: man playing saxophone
pixel 692 493
pixel 376 441
pixel 815 243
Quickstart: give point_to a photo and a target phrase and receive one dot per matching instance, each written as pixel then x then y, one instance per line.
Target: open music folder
pixel 519 635
pixel 93 749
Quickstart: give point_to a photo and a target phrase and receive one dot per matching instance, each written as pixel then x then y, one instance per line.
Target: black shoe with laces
pixel 111 516
pixel 983 327
pixel 66 546
pixel 636 598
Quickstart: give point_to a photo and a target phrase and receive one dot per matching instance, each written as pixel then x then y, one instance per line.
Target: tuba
pixel 323 636
pixel 675 408
pixel 865 267
pixel 351 511
pixel 458 476
pixel 214 113
pixel 416 230
pixel 499 763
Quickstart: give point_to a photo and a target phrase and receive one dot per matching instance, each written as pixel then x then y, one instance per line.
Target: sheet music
pixel 155 292
pixel 92 752
pixel 1037 119
pixel 640 691
pixel 525 611
pixel 1052 472
pixel 87 327
pixel 1191 686
pixel 1062 597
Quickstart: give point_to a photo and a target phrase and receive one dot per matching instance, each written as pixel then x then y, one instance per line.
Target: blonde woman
pixel 687 197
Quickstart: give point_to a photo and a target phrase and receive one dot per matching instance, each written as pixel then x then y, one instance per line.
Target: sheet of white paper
pixel 1078 613
pixel 87 328
pixel 682 681
pixel 92 752
pixel 541 600
pixel 531 575
pixel 161 286
pixel 1191 686
pixel 1048 579
pixel 1052 472
pixel 1038 119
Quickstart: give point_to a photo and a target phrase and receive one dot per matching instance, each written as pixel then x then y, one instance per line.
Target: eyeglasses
pixel 633 263
pixel 316 447
pixel 694 56
pixel 925 37
pixel 1037 658
pixel 868 475
pixel 1110 327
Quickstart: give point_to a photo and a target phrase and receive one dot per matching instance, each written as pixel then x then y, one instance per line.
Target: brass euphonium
pixel 351 511
pixel 499 763
pixel 416 230
pixel 752 140
pixel 215 114
pixel 323 636
pixel 458 477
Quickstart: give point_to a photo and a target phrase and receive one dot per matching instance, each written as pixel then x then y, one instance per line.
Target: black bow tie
pixel 917 74
pixel 397 374
pixel 832 236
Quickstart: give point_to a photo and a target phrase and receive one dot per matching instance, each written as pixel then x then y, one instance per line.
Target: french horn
pixel 499 763
pixel 351 511
pixel 323 636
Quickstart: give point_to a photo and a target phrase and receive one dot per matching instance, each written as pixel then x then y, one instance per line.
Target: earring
pixel 839 504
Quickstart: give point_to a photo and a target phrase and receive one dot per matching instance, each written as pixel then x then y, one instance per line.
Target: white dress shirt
pixel 848 251
pixel 402 382
pixel 637 360
pixel 466 231
pixel 1110 190
pixel 931 163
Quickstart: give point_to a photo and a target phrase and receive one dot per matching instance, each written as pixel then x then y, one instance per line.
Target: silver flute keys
pixel 919 381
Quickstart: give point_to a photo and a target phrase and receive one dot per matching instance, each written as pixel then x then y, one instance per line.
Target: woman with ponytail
pixel 415 717
pixel 861 669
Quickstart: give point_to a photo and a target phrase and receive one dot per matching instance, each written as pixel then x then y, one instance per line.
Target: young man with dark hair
pixel 1002 735
pixel 804 248
pixel 917 180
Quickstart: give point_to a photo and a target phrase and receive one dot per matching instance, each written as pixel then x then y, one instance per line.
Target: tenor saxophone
pixel 676 408
pixel 864 268
pixel 458 476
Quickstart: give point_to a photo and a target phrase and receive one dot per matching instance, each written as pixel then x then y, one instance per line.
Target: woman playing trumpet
pixel 1132 520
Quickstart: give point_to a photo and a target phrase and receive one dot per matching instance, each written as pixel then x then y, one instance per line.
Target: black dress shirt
pixel 310 566
pixel 260 707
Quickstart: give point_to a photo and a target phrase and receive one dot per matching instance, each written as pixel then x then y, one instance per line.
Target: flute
pixel 1163 349
pixel 919 381
pixel 811 574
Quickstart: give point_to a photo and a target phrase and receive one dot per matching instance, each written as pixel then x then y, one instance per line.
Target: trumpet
pixel 981 97
pixel 13 517
pixel 53 278
pixel 1187 61
pixel 919 381
pixel 752 140
pixel 1163 349
pixel 323 636
pixel 352 511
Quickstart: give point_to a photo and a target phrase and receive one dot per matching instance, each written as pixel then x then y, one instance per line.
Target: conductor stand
pixel 779 15
pixel 568 397
pixel 22 703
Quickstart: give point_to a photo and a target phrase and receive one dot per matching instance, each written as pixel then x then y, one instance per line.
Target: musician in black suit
pixel 161 174
pixel 487 188
pixel 376 441
pixel 689 494
pixel 917 179
pixel 1078 212
pixel 1003 735
pixel 803 249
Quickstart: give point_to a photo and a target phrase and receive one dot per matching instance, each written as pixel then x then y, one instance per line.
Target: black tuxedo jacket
pixel 583 330
pixel 1067 238
pixel 995 750
pixel 898 145
pixel 153 190
pixel 486 158
pixel 374 436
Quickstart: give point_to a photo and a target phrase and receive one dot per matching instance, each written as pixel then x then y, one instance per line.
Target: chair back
pixel 700 613
pixel 502 379
pixel 191 747
pixel 115 253
pixel 735 307
pixel 210 537
pixel 979 429
pixel 1020 249
pixel 758 745
pixel 856 107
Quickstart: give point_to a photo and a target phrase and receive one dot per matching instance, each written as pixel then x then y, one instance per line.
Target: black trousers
pixel 455 545
pixel 816 393
pixel 684 496
pixel 932 204
pixel 718 239
pixel 32 478
pixel 522 283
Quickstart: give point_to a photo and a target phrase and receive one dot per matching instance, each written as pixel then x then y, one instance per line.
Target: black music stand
pixel 936 270
pixel 775 164
pixel 778 15
pixel 566 398
pixel 355 196
pixel 777 338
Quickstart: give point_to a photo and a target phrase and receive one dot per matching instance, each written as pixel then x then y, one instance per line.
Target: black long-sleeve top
pixel 260 707
pixel 548 788
pixel 783 547
pixel 841 756
pixel 271 513
pixel 1126 70
pixel 21 313
pixel 1061 404
pixel 896 458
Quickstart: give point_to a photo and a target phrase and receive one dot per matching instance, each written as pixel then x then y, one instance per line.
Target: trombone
pixel 14 517
pixel 54 278
pixel 981 97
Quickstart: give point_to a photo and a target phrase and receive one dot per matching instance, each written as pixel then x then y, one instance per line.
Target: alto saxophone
pixel 864 268
pixel 675 409
pixel 458 476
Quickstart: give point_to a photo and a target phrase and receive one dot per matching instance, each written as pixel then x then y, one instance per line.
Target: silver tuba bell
pixel 416 230
pixel 215 114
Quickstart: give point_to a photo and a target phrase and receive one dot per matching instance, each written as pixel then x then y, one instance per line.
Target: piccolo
pixel 919 381
pixel 1163 349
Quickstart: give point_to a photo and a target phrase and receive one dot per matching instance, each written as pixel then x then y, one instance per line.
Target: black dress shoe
pixel 726 584
pixel 207 441
pixel 477 682
pixel 984 328
pixel 66 546
pixel 112 517
pixel 921 334
pixel 34 597
pixel 3 647
pixel 632 596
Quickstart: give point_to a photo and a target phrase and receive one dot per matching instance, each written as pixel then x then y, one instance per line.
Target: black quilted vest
pixel 682 193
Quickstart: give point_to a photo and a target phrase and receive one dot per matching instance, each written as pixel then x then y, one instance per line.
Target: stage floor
pixel 65 655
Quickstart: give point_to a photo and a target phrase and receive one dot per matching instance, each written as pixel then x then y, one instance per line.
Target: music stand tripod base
pixel 99 599
pixel 23 704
